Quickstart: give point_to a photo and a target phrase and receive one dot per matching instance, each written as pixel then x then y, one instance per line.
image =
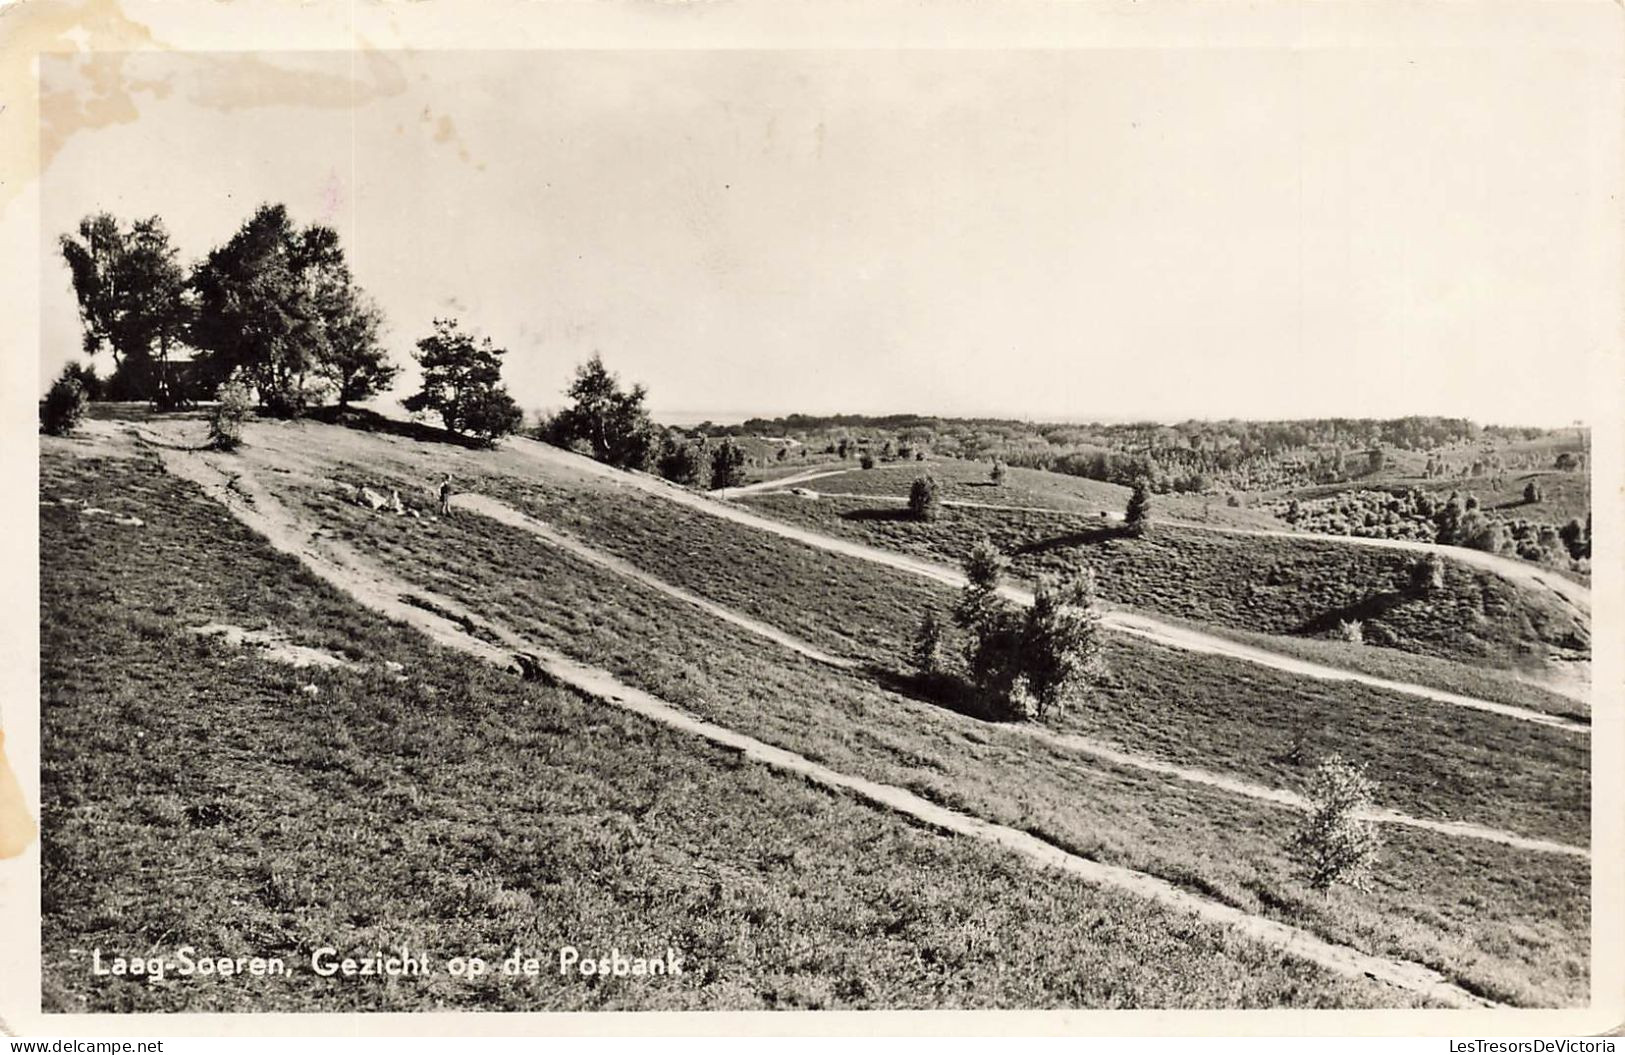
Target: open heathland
pixel 201 794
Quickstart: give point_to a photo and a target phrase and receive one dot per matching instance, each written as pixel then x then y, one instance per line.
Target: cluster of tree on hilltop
pixel 276 303
pixel 275 310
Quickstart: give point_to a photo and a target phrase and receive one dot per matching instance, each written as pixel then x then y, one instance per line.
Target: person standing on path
pixel 445 496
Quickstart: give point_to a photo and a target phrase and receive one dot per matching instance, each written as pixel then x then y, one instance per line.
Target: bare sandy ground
pixel 272 645
pixel 234 484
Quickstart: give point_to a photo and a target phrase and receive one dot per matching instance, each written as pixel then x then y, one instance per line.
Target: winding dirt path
pixel 375 588
pixel 1123 622
pixel 506 514
pixel 781 484
pixel 1292 800
pixel 1521 572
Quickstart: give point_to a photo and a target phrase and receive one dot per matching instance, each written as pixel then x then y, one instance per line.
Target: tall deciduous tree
pixel 356 362
pixel 462 382
pixel 274 302
pixel 609 419
pixel 131 292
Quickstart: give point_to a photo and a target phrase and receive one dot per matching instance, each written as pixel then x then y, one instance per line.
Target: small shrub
pixel 1575 540
pixel 866 460
pixel 1427 573
pixel 1020 703
pixel 925 498
pixel 63 406
pixel 1532 493
pixel 996 474
pixel 1338 843
pixel 1351 630
pixel 229 413
pixel 1376 633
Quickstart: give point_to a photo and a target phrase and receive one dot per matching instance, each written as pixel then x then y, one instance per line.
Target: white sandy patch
pixel 272 644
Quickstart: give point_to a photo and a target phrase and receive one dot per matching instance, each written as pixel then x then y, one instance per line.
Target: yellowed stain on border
pixel 17 827
pixel 28 29
pixel 99 40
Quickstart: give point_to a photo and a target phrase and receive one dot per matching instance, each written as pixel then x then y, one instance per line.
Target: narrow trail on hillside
pixel 1577 595
pixel 782 483
pixel 451 624
pixel 1143 626
pixel 506 514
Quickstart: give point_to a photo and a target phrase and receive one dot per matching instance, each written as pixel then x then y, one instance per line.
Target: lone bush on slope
pixel 1337 842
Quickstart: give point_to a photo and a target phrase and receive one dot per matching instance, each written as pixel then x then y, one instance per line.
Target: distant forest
pixel 1191 456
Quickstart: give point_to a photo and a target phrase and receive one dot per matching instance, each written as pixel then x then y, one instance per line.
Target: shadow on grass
pixel 363 420
pixel 1373 607
pixel 190 448
pixel 939 690
pixel 1091 537
pixel 901 513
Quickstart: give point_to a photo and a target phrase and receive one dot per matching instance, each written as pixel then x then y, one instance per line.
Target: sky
pixel 1057 235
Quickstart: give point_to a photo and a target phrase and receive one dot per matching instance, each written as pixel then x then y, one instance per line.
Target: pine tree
pixel 1061 647
pixel 462 382
pixel 924 498
pixel 1137 517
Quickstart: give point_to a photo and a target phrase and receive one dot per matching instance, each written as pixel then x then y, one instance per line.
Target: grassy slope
pixel 194 793
pixel 1225 847
pixel 818 595
pixel 1208 710
pixel 1279 586
pixel 968 481
pixel 1486 683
